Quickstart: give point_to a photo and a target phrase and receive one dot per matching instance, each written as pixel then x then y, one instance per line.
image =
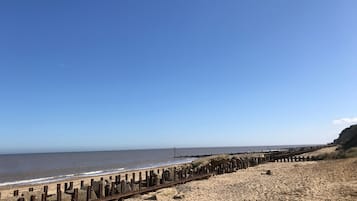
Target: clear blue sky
pixel 95 75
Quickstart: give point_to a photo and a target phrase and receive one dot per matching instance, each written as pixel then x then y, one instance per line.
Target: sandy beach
pixel 322 180
pixel 7 191
pixel 310 180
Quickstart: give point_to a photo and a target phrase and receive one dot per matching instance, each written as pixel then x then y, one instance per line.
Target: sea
pixel 38 168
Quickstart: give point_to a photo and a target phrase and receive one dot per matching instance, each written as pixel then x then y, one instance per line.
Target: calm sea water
pixel 20 169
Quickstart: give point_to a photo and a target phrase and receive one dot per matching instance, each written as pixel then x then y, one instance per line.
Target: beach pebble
pixel 179 196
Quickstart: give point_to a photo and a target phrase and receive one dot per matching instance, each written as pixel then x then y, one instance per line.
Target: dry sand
pixel 326 150
pixel 310 181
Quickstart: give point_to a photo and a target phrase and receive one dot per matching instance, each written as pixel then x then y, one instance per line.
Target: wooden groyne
pixel 120 186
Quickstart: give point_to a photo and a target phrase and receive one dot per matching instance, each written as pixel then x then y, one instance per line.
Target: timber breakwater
pixel 124 185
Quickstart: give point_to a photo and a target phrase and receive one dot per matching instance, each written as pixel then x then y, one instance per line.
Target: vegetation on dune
pixel 347 138
pixel 347 145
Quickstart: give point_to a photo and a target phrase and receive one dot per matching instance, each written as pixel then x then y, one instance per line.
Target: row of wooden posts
pixel 118 187
pixel 296 159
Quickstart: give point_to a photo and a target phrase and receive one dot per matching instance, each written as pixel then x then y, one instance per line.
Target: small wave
pixel 92 173
pixel 101 172
pixel 37 180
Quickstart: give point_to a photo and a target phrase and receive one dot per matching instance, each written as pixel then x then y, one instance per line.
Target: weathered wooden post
pixel 147 178
pixel 117 180
pixel 59 193
pixel 174 173
pixel 65 187
pixel 16 193
pixel 31 189
pixel 162 180
pixel 33 198
pixel 126 177
pixel 101 189
pixel 91 182
pixel 122 186
pixel 89 193
pixel 110 177
pixel 132 184
pixel 140 181
pixel 150 179
pixel 71 185
pixel 112 189
pixel 82 184
pixel 43 197
pixel 75 194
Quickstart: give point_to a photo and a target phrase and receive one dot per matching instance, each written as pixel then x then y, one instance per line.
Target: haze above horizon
pixel 90 75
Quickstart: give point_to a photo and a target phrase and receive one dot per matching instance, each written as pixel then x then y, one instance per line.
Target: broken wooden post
pixel 33 198
pixel 31 189
pixel 16 193
pixel 82 184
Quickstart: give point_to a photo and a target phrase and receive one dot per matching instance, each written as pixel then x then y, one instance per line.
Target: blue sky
pixel 97 75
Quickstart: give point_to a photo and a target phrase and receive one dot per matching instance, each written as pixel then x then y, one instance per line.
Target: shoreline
pixel 8 191
pixel 84 175
pixel 51 188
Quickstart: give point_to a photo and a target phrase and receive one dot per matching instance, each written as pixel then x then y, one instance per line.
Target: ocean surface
pixel 23 169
